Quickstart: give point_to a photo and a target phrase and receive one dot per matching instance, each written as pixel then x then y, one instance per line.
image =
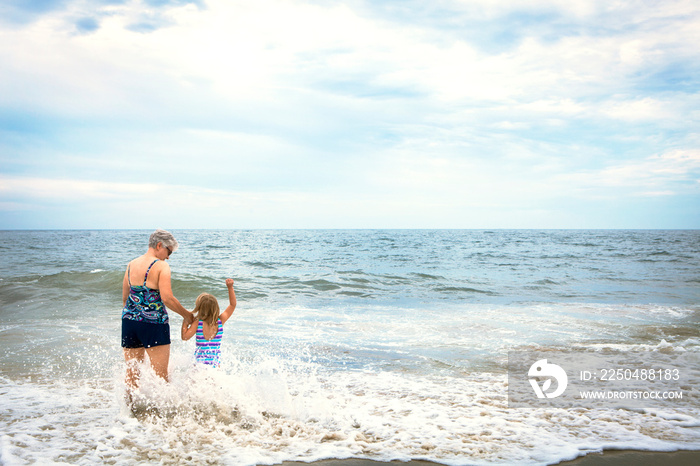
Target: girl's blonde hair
pixel 206 308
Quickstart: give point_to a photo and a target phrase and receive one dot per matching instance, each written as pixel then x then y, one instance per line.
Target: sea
pixel 376 344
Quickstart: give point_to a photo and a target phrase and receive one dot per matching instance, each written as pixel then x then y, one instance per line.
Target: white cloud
pixel 646 177
pixel 646 108
pixel 298 106
pixel 258 52
pixel 60 190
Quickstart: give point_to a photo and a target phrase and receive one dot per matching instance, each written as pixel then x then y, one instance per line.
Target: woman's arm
pixel 232 302
pixel 166 294
pixel 125 287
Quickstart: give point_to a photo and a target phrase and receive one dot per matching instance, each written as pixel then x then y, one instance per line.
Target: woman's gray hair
pixel 165 237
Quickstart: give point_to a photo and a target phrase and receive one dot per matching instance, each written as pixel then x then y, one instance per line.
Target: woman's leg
pixel 133 357
pixel 160 358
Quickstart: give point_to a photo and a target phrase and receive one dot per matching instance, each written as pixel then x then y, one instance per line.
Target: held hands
pixel 188 330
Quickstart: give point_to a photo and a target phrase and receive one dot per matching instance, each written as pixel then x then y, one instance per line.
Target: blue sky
pixel 349 114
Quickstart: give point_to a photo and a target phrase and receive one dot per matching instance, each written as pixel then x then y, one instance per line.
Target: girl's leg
pixel 160 358
pixel 133 357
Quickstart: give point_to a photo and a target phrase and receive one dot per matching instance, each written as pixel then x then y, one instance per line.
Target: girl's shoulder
pixel 202 323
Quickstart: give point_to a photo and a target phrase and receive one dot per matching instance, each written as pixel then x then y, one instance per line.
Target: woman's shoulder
pixel 159 266
pixel 141 260
pixel 151 262
pixel 146 263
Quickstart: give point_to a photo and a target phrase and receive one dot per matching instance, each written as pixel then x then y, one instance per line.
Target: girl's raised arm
pixel 232 301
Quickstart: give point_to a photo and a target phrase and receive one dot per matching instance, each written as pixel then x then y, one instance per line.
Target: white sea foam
pixel 266 410
pixel 305 384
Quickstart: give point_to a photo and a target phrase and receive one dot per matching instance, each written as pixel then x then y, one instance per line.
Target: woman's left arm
pixel 125 288
pixel 166 294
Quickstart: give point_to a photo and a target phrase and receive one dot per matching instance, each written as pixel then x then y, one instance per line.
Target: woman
pixel 146 291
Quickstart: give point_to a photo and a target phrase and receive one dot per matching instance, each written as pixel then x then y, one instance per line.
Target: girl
pixel 210 327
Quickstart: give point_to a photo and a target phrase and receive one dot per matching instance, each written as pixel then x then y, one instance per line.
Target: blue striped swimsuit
pixel 144 304
pixel 209 351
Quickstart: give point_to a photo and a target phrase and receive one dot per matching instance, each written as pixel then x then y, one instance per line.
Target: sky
pixel 349 114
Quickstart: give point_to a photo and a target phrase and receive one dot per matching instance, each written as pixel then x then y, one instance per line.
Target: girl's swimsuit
pixel 209 351
pixel 144 317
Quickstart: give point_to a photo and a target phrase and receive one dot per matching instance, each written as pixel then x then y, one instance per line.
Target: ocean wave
pixel 426 276
pixel 419 265
pixel 462 289
pixel 266 410
pixel 546 281
pixel 342 347
pixel 59 286
pixel 261 265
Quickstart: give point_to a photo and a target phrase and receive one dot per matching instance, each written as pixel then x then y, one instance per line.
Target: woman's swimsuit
pixel 144 304
pixel 144 317
pixel 209 351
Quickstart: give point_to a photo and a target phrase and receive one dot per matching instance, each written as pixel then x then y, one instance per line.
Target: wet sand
pixel 637 458
pixel 608 458
pixel 358 462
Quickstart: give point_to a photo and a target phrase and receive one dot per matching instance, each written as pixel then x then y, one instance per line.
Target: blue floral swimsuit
pixel 144 304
